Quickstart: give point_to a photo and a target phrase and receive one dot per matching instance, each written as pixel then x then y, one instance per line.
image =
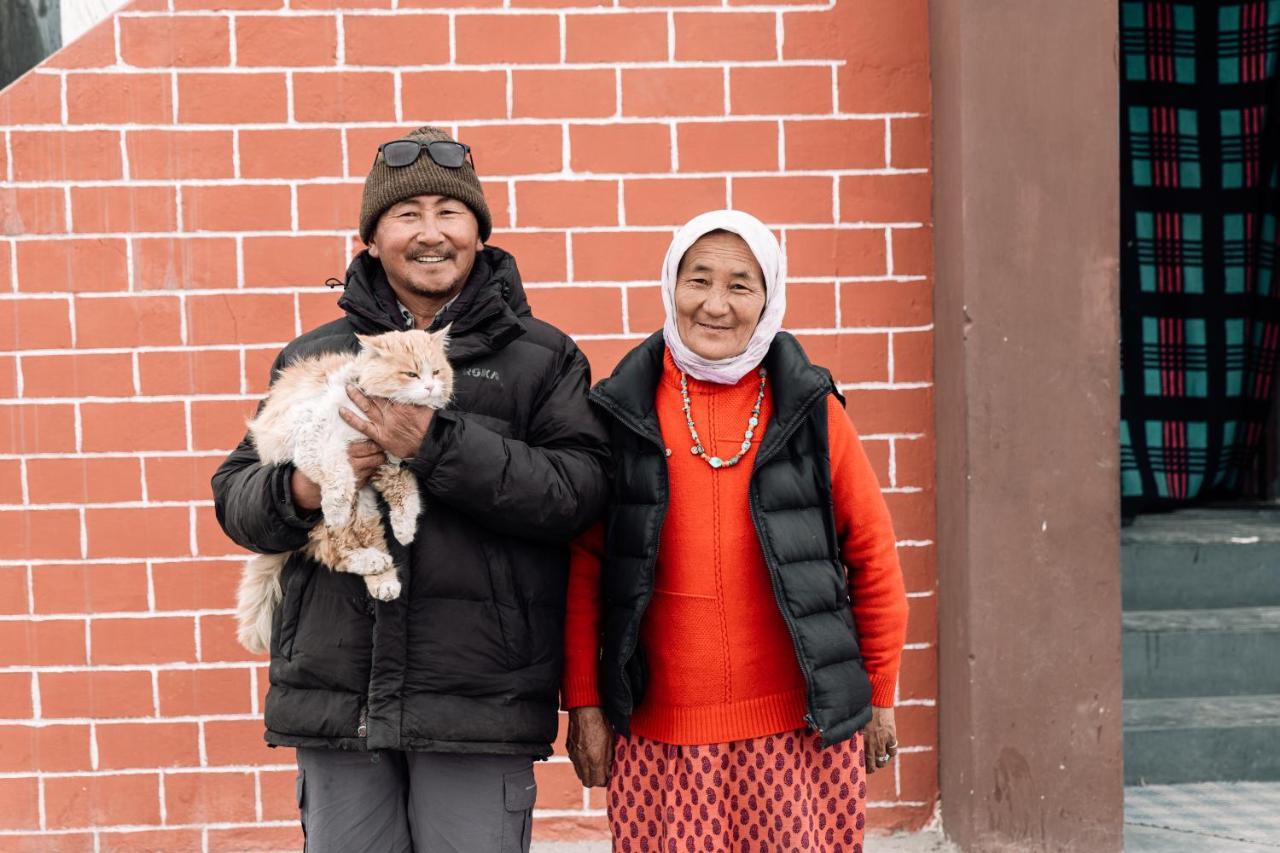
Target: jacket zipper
pixel 363 729
pixel 625 419
pixel 774 577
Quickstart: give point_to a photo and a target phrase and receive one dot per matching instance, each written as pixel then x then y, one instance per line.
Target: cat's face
pixel 407 367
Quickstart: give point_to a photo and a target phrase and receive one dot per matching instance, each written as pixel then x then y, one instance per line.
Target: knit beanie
pixel 387 186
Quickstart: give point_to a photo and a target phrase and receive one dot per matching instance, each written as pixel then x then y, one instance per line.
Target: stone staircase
pixel 1201 598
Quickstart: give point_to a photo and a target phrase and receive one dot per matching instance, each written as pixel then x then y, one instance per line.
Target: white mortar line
pixel 398 84
pixel 124 157
pixel 453 39
pixel 62 97
pixel 889 356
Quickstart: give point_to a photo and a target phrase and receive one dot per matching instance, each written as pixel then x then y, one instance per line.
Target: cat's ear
pixel 442 337
pixel 370 342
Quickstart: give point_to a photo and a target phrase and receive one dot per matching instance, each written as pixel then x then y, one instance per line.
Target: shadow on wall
pixel 30 30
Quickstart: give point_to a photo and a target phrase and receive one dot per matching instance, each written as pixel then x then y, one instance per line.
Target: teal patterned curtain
pixel 1200 317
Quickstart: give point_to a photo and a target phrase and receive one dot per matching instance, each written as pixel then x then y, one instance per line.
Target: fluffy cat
pixel 299 423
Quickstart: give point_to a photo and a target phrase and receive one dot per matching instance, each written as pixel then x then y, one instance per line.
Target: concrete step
pixel 1215 652
pixel 1219 652
pixel 1202 558
pixel 1199 575
pixel 1202 739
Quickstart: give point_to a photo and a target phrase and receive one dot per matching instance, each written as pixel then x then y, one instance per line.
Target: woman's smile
pixel 715 328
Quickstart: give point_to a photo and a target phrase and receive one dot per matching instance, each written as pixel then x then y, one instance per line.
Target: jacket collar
pixel 483 319
pixel 797 384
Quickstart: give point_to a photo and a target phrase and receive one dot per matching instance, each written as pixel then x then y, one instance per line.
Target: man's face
pixel 427 245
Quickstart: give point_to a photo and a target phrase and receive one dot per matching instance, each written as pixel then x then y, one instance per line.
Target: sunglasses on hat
pixel 405 152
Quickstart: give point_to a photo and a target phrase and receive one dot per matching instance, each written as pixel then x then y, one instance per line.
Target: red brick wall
pixel 180 182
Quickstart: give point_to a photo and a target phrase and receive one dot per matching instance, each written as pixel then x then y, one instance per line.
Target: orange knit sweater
pixel 722 665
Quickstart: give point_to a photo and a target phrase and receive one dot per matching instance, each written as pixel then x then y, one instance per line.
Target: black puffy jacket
pixel 791 508
pixel 468 658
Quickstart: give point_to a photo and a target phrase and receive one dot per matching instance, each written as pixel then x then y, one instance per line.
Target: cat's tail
pixel 257 599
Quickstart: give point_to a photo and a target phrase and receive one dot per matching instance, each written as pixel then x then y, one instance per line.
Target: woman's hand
pixel 880 739
pixel 590 745
pixel 398 428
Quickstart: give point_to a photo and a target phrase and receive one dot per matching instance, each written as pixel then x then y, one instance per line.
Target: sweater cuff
pixel 883 688
pixel 580 692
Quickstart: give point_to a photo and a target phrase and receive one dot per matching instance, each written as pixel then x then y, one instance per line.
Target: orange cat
pixel 300 424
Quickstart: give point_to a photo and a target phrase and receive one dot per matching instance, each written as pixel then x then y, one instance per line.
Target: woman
pixel 739 618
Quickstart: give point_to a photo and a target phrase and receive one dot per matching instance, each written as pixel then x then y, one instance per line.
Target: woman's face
pixel 719 295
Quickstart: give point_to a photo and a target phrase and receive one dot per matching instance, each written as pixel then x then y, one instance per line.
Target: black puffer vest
pixel 792 514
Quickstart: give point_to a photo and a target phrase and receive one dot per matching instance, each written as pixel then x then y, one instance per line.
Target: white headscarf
pixel 727 371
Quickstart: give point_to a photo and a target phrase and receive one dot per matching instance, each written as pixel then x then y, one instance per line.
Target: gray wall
pixel 30 30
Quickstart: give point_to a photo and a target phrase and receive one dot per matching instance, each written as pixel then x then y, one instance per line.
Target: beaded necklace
pixel 752 423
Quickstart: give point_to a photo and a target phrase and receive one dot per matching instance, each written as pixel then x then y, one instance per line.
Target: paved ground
pixel 1212 817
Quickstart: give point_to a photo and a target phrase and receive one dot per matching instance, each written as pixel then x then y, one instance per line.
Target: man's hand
pixel 397 428
pixel 590 744
pixel 365 457
pixel 306 492
pixel 880 739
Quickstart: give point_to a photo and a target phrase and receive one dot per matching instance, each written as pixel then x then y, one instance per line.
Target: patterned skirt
pixel 774 793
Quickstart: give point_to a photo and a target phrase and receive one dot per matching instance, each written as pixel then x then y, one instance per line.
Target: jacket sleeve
pixel 254 502
pixel 579 685
pixel 870 552
pixel 549 487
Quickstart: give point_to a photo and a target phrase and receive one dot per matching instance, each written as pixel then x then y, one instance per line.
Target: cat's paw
pixel 404 521
pixel 367 561
pixel 384 587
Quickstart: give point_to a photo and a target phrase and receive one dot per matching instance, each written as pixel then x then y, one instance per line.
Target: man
pixel 416 721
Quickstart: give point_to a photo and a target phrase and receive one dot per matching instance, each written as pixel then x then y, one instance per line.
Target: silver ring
pixel 882 759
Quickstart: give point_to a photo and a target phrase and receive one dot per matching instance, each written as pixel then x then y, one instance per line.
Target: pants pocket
pixel 520 790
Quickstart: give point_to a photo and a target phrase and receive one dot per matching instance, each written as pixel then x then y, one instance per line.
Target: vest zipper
pixel 790 429
pixel 626 420
pixel 363 729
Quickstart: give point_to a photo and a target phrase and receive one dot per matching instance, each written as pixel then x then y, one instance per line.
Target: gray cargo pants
pixel 415 802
